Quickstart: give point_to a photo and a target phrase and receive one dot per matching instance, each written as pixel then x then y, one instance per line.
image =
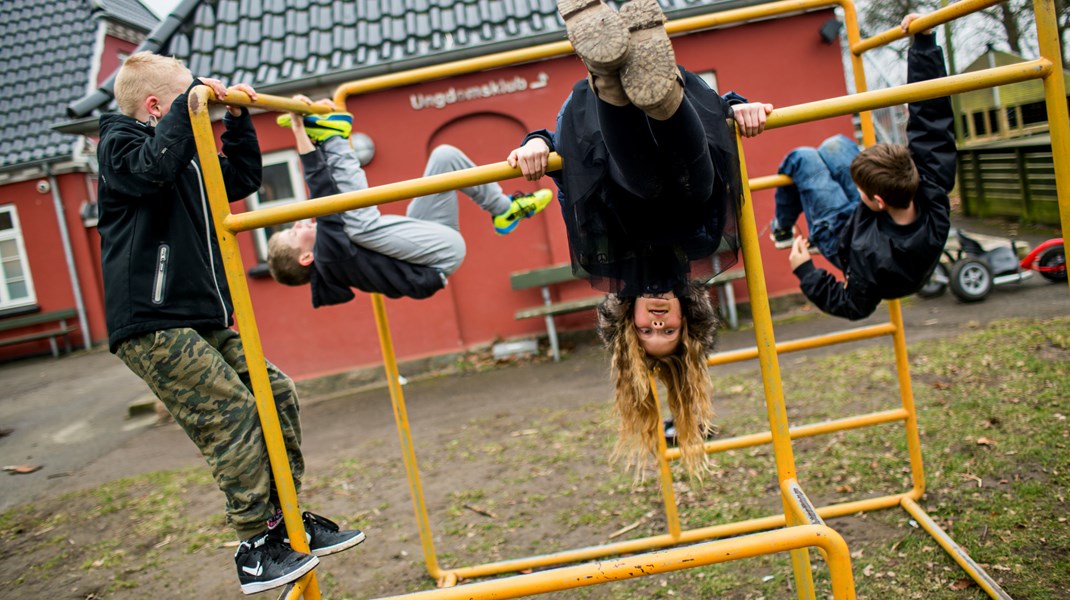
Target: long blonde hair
pixel 684 374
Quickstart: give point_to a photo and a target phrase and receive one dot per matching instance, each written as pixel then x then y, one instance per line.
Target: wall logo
pixel 498 87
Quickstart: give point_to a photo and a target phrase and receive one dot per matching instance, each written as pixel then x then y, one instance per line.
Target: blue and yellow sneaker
pixel 523 206
pixel 323 127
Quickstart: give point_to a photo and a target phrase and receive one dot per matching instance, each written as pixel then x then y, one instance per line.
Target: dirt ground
pixel 473 430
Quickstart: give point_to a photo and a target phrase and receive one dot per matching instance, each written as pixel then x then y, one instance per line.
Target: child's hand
pixel 751 117
pixel 532 158
pixel 799 253
pixel 907 20
pixel 220 92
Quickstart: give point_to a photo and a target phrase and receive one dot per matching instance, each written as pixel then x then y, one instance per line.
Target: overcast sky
pixel 162 8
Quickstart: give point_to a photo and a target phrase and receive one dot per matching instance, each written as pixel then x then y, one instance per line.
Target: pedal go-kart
pixel 971 272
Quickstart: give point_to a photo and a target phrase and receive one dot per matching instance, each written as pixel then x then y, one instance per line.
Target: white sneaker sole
pixel 263 586
pixel 347 544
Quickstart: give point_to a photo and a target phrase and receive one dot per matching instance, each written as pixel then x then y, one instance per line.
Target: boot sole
pixel 649 77
pixel 597 33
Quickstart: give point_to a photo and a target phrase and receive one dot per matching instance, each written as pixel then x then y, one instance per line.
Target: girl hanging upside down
pixel 650 183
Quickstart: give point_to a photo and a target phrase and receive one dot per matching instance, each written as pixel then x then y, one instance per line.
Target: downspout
pixel 65 237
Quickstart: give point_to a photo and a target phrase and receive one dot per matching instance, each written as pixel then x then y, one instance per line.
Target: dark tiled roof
pixel 271 41
pixel 130 12
pixel 267 42
pixel 47 48
pixel 276 44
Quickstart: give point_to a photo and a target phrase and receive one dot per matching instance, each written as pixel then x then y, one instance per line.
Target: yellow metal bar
pixel 557 49
pixel 380 194
pixel 664 561
pixel 664 540
pixel 906 393
pixel 782 117
pixel 767 360
pixel 1058 120
pixel 828 339
pixel 956 552
pixel 408 453
pixel 212 174
pixel 799 503
pixel 768 182
pixel 922 90
pixel 927 21
pixel 668 496
pixel 800 431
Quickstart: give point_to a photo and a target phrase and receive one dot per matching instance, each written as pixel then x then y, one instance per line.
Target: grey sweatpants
pixel 429 234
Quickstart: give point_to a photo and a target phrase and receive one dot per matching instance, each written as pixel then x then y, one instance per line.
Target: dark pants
pixel 664 160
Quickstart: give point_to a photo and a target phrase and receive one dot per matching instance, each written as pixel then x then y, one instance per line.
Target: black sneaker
pixel 265 563
pixel 323 535
pixel 782 238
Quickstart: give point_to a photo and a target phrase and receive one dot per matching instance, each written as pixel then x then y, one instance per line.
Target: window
pixel 1034 113
pixel 1012 117
pixel 283 183
pixel 993 120
pixel 710 77
pixel 965 126
pixel 979 124
pixel 16 285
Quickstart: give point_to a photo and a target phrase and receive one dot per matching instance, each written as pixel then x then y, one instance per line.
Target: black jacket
pixel 160 258
pixel 882 259
pixel 621 246
pixel 339 264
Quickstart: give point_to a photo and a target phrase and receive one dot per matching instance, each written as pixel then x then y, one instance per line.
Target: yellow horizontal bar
pixel 380 194
pixel 800 431
pixel 557 49
pixel 663 561
pixel 956 552
pixel 665 540
pixel 267 102
pixel 769 181
pixel 911 92
pixel 927 21
pixel 840 337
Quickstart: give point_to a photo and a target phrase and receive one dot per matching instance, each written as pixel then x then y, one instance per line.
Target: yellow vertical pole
pixel 767 359
pixel 858 70
pixel 906 396
pixel 250 335
pixel 1058 121
pixel 408 453
pixel 672 517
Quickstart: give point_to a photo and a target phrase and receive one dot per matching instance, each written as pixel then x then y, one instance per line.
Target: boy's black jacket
pixel 884 260
pixel 160 258
pixel 340 264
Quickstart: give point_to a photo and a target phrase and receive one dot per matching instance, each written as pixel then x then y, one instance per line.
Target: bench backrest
pixel 522 280
pixel 36 319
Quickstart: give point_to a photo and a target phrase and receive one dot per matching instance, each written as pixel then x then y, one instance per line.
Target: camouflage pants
pixel 202 379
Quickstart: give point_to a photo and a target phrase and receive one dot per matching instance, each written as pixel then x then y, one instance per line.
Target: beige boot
pixel 650 77
pixel 597 33
pixel 608 89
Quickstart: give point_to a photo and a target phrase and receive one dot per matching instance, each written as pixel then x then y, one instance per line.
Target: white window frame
pixel 15 233
pixel 292 161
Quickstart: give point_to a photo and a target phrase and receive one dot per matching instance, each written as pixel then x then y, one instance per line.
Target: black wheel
pixel 1054 257
pixel 970 280
pixel 937 284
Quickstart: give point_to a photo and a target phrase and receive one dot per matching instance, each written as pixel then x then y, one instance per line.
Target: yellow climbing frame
pixel 801 525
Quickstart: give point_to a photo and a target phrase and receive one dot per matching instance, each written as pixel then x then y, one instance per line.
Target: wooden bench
pixel 548 276
pixel 62 329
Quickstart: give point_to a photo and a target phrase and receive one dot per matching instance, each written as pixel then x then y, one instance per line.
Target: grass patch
pixel 995 437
